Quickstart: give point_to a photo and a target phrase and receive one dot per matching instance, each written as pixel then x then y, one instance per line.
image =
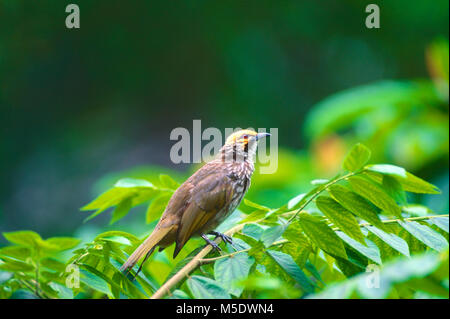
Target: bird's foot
pixel 224 237
pixel 212 243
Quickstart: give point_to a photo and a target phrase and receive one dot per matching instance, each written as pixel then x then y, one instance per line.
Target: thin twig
pixel 37 277
pixel 207 260
pixel 409 219
pixel 332 182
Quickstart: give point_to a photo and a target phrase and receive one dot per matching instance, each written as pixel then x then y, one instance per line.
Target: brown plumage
pixel 205 199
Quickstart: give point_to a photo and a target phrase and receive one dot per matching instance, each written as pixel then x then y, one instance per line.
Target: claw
pixel 212 243
pixel 224 237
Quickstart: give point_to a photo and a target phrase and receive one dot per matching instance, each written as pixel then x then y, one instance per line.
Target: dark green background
pixel 79 104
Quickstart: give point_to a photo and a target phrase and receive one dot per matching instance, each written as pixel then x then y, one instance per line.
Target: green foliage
pixel 422 276
pixel 130 192
pixel 228 271
pixel 357 158
pixel 206 288
pixel 30 264
pixel 319 244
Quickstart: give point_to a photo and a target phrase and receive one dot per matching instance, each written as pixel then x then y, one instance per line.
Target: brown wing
pixel 211 192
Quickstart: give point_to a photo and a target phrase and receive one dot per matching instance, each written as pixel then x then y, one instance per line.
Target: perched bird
pixel 205 199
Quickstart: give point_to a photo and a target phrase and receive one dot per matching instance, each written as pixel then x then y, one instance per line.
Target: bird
pixel 204 200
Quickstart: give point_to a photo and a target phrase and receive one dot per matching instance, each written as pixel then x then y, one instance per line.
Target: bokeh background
pixel 81 108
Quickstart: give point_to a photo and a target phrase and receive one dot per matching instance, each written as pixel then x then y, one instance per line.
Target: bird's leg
pixel 224 237
pixel 211 242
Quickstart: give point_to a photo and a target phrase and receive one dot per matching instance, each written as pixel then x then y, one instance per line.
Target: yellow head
pixel 243 142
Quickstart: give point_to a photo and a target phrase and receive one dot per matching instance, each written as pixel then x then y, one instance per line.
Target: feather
pixel 155 237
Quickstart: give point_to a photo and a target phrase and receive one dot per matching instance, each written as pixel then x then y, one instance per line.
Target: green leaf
pixel 416 210
pixel 369 250
pixel 358 156
pixel 340 217
pixel 313 271
pixel 23 294
pixel 257 206
pixel 400 270
pixel 426 235
pixel 342 110
pixel 156 207
pixel 256 215
pixel 147 286
pixel 17 252
pixel 253 230
pixel 168 182
pixel 319 181
pixel 356 204
pixel 24 237
pixel 132 182
pixel 229 271
pixel 271 234
pixel 15 265
pixel 294 234
pixel 206 288
pixel 63 291
pixel 107 199
pixel 286 262
pixel 375 194
pixel 94 282
pixel 392 240
pixel 409 182
pixel 296 202
pixel 63 243
pixel 393 187
pixel 95 278
pixel 441 222
pixel 116 233
pixel 137 189
pixel 300 253
pixel 322 235
pixel 415 184
pixel 53 264
pixel 387 169
pixel 121 210
pixel 179 294
pixel 230 221
pixel 293 202
pixel 257 251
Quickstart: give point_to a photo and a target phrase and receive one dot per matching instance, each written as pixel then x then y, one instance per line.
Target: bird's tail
pixel 148 244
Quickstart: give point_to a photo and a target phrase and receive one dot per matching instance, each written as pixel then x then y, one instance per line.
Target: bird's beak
pixel 261 135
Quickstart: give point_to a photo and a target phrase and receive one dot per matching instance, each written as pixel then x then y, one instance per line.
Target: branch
pixel 207 260
pixel 190 266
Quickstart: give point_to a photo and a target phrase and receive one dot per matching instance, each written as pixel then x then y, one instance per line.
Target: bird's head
pixel 243 144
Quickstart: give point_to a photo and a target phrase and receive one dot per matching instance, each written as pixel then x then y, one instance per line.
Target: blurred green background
pixel 81 108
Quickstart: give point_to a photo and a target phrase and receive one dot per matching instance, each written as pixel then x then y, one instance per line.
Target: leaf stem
pixel 320 190
pixel 409 219
pixel 207 260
